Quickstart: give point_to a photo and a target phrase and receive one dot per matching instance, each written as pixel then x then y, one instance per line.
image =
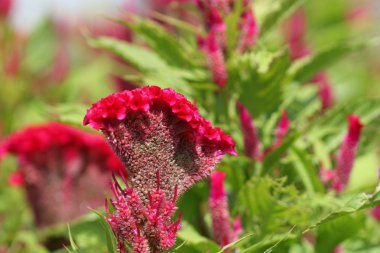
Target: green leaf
pixel 259 77
pixel 306 170
pixel 274 157
pixel 163 42
pixel 192 238
pixel 304 69
pixel 73 245
pixel 111 240
pixel 331 234
pixel 354 205
pixel 235 243
pixel 278 11
pixel 268 206
pixel 139 57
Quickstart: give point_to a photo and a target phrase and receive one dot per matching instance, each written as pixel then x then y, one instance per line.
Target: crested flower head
pixel 158 130
pixel 347 152
pixel 58 166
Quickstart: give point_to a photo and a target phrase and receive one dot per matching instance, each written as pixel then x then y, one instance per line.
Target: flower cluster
pixel 166 147
pixel 147 227
pixel 215 43
pixel 58 166
pixel 153 129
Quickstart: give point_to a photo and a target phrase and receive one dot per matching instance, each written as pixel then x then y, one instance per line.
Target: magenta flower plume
pixel 147 227
pixel 220 215
pixel 153 129
pixel 282 128
pixel 250 31
pixel 251 139
pixel 295 30
pixel 5 7
pixel 59 166
pixel 324 89
pixel 347 152
pixel 219 27
pixel 216 61
pixel 376 212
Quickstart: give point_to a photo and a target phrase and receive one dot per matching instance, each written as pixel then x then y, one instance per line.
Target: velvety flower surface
pixel 158 130
pixel 63 170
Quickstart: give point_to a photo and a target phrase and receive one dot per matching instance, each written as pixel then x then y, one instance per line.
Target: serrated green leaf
pixel 354 205
pixel 278 11
pixel 162 42
pixel 191 237
pixel 111 240
pixel 235 243
pixel 305 68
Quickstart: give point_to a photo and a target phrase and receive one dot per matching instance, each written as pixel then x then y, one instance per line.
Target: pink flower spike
pixel 216 61
pixel 295 30
pixel 348 148
pixel 218 26
pixel 376 212
pixel 324 89
pixel 250 31
pixel 237 227
pixel 162 138
pixel 219 210
pixel 5 7
pixel 327 176
pixel 282 128
pixel 251 139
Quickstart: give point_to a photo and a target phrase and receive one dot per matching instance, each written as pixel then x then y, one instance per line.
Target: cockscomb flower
pixel 249 31
pixel 220 215
pixel 146 227
pixel 251 139
pixel 153 129
pixel 347 152
pixel 216 61
pixel 59 166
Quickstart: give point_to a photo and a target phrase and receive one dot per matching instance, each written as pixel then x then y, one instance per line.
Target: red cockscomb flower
pixel 153 129
pixel 59 166
pixel 166 147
